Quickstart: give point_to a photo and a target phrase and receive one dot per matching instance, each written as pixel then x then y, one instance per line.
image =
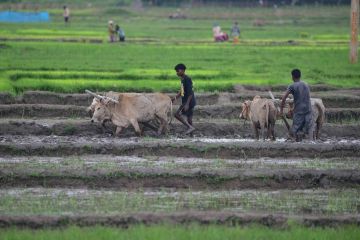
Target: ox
pixel 318 114
pixel 262 113
pixel 125 109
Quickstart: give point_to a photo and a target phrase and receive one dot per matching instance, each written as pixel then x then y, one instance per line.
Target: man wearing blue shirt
pixel 302 116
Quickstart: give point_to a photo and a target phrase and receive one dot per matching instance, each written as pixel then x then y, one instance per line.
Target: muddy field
pixel 56 166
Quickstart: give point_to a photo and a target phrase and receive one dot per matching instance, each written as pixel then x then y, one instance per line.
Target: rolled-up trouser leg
pixel 309 126
pixel 298 124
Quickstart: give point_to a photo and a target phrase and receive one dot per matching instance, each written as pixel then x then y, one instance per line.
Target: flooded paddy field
pixel 58 168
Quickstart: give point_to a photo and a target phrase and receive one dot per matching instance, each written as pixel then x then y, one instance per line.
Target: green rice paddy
pixel 313 39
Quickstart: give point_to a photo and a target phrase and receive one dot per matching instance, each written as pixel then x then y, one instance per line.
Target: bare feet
pixel 190 130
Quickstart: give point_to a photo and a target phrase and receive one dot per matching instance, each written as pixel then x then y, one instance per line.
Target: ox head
pixel 91 109
pixel 245 113
pixel 99 107
pixel 102 112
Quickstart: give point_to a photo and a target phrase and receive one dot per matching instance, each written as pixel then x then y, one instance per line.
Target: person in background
pixel 302 118
pixel 187 95
pixel 66 14
pixel 219 36
pixel 235 32
pixel 111 31
pixel 120 32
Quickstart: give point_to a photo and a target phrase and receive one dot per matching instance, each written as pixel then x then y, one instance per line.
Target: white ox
pixel 262 113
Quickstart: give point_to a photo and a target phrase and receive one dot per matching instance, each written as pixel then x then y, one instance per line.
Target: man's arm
pixel 283 100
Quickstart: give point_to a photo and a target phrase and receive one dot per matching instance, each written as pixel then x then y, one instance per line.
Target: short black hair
pixel 296 73
pixel 180 66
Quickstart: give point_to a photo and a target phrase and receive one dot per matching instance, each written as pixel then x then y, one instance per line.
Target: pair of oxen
pixel 125 109
pixel 263 114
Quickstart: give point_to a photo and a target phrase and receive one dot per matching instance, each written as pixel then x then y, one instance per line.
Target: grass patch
pixel 193 232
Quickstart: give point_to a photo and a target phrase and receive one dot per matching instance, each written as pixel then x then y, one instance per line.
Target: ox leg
pixel 161 127
pixel 263 133
pixel 135 124
pixel 318 126
pixel 118 131
pixel 256 131
pixel 273 132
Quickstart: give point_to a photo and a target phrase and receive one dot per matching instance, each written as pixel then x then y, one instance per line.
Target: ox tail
pixel 171 112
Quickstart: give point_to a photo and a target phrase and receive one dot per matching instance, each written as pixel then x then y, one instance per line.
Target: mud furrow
pixel 193 147
pixel 203 218
pixel 180 178
pixel 219 128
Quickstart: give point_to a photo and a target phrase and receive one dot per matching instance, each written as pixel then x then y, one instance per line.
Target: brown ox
pixel 318 114
pixel 132 109
pixel 262 113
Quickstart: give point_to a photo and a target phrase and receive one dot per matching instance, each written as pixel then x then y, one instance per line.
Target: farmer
pixel 235 32
pixel 302 118
pixel 111 31
pixel 120 33
pixel 188 101
pixel 66 14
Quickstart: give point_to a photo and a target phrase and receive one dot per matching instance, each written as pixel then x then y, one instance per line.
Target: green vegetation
pixel 81 166
pixel 313 39
pixel 60 202
pixel 191 232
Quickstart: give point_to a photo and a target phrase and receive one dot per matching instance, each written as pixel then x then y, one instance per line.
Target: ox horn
pixel 101 97
pixel 94 94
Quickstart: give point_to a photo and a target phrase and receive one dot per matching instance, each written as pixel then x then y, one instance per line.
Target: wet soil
pixel 182 179
pixel 205 128
pixel 203 218
pixel 187 147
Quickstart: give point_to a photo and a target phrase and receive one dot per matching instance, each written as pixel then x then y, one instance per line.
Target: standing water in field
pixel 11 16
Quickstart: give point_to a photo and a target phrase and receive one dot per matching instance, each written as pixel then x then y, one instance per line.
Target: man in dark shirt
pixel 302 117
pixel 188 101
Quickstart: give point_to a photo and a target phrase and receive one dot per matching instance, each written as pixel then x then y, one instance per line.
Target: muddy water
pixel 57 201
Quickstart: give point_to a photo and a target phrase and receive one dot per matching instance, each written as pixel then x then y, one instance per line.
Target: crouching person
pixel 302 118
